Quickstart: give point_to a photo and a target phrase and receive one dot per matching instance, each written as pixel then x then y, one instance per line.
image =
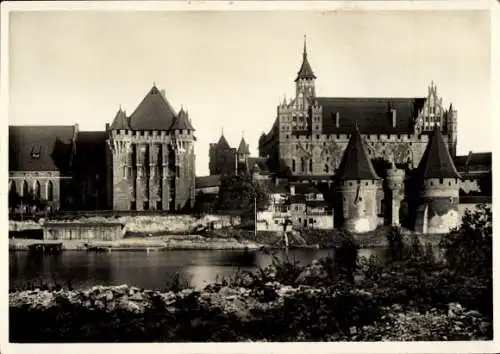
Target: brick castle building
pixel 145 161
pixel 378 160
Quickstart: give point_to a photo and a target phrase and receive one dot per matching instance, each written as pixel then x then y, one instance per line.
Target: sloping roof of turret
pixel 153 113
pixel 243 148
pixel 120 121
pixel 305 71
pixel 436 161
pixel 222 143
pixel 356 164
pixel 182 122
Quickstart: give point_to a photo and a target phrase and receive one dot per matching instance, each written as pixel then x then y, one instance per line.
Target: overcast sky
pixel 231 69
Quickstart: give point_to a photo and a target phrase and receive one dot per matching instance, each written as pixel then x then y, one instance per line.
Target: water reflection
pixel 154 270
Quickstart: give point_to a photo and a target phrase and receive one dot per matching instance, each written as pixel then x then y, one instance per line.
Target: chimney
pixel 162 91
pixel 393 111
pixel 107 126
pixel 337 119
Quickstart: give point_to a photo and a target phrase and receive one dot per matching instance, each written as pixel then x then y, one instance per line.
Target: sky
pixel 230 70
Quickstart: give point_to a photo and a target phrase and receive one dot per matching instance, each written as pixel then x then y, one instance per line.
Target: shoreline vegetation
pixel 411 296
pixel 161 233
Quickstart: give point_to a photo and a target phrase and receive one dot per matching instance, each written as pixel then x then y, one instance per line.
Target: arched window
pixel 36 190
pixel 327 169
pixel 310 165
pixel 24 188
pixel 293 165
pixel 50 191
pixel 302 165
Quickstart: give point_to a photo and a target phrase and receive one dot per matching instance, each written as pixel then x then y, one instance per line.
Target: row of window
pixel 326 167
pixel 35 189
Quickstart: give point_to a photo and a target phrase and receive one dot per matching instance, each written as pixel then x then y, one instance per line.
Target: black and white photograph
pixel 248 172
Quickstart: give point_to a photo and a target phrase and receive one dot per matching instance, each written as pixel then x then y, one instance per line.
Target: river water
pixel 154 270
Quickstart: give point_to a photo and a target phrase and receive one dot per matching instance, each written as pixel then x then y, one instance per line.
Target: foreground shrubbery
pixel 413 296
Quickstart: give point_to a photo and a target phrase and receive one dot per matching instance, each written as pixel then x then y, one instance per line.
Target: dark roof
pixel 120 121
pixel 40 148
pixel 468 162
pixel 311 178
pixel 222 143
pixel 306 188
pixel 356 164
pixel 476 199
pixel 436 161
pixel 373 115
pixel 153 113
pixel 305 71
pixel 243 148
pixel 279 187
pixel 258 164
pixel 182 122
pixel 207 181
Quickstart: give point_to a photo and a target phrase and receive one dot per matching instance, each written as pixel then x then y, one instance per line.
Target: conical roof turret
pixel 120 122
pixel 243 148
pixel 182 122
pixel 436 161
pixel 305 71
pixel 222 143
pixel 356 164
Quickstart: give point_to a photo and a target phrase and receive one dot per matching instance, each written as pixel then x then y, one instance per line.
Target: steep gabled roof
pixel 305 71
pixel 153 113
pixel 182 122
pixel 120 121
pixel 40 148
pixel 243 148
pixel 222 143
pixel 356 164
pixel 436 161
pixel 372 114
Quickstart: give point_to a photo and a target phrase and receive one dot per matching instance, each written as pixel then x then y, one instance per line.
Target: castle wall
pixel 325 151
pixel 438 211
pixel 359 205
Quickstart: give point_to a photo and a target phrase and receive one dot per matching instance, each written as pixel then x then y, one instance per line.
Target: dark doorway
pixel 145 205
pixel 132 205
pixel 158 205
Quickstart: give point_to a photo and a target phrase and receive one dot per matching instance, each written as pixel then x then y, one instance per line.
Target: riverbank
pixel 169 242
pixel 265 306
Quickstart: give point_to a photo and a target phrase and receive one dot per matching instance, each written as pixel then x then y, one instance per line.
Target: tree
pixel 238 192
pixel 468 248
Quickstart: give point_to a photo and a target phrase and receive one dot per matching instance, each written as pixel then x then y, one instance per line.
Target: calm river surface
pixel 145 270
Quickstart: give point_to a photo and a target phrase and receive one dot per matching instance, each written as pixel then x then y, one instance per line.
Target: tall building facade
pixel 151 157
pixel 311 132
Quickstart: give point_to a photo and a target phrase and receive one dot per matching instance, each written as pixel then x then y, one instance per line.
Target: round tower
pixel 437 211
pixel 358 184
pixel 394 183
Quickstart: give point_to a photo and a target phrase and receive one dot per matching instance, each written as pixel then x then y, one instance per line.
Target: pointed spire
pixel 436 161
pixel 182 122
pixel 120 122
pixel 222 143
pixel 356 164
pixel 305 71
pixel 243 148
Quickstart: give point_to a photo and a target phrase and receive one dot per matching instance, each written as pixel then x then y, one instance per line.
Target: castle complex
pixel 144 161
pixel 356 163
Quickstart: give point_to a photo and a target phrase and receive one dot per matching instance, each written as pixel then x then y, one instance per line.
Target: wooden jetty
pixel 45 248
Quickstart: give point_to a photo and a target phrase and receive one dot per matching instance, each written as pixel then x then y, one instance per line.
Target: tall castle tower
pixel 151 157
pixel 243 153
pixel 439 185
pixel 358 184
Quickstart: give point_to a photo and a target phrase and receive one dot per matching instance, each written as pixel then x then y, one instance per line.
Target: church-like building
pixel 378 160
pixel 143 161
